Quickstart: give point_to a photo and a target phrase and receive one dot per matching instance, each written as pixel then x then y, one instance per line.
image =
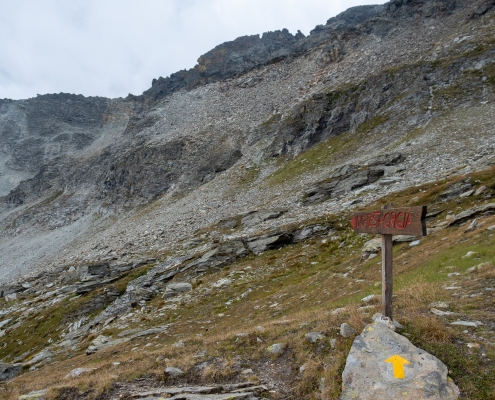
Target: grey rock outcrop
pixel 350 177
pixel 486 209
pixel 346 330
pixel 222 255
pixel 35 395
pixel 314 337
pixel 174 289
pixel 9 371
pixel 256 217
pixel 173 372
pixel 370 374
pixel 270 241
pixel 276 349
pixel 455 190
pixel 103 342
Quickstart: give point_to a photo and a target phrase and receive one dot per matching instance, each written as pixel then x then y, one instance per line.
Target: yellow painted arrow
pixel 398 363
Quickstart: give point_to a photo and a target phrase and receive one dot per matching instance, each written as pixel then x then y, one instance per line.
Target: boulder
pixel 257 217
pixel 309 231
pixel 103 342
pixel 277 348
pixel 351 177
pixel 314 337
pixel 372 246
pixel 385 365
pixel 220 256
pixel 455 190
pixel 228 223
pixel 174 289
pixel 88 272
pixel 6 290
pixel 346 330
pixel 36 395
pixel 173 372
pixel 44 355
pixel 78 372
pixel 9 371
pixel 260 244
pixel 486 209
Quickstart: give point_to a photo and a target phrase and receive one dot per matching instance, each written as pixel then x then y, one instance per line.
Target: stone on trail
pixel 393 325
pixel 78 372
pixel 36 395
pixel 314 337
pixel 173 372
pixel 439 304
pixel 277 348
pixel 174 289
pixel 373 373
pixel 346 330
pixel 472 226
pixel 103 342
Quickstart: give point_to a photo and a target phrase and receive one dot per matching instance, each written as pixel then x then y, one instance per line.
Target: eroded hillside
pixel 207 219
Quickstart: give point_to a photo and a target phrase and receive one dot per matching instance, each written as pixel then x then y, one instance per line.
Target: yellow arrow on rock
pixel 398 363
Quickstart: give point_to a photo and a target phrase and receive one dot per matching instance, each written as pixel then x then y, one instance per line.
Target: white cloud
pixel 115 47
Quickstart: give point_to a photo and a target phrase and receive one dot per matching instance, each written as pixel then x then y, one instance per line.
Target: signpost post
pixel 387 222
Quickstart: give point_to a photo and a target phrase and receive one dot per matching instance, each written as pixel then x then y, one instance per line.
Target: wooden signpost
pixel 387 222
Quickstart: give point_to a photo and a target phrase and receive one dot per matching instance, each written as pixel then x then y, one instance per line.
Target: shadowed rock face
pixel 35 131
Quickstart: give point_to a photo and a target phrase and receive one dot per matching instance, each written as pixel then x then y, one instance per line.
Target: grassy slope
pixel 282 295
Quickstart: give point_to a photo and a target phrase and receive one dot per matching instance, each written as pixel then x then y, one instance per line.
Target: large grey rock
pixel 44 355
pixel 36 395
pixel 174 289
pixel 173 372
pixel 220 256
pixel 226 396
pixel 369 376
pixel 314 337
pixel 78 372
pixel 260 244
pixel 257 217
pixel 372 246
pixel 277 348
pixel 9 371
pixel 351 177
pixel 486 209
pixel 95 284
pixel 103 342
pixel 346 330
pixel 455 190
pixel 309 231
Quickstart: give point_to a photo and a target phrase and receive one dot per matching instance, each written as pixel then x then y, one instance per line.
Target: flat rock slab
pixel 369 373
pixel 226 396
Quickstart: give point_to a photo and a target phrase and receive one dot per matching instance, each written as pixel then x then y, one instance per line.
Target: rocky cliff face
pixel 230 135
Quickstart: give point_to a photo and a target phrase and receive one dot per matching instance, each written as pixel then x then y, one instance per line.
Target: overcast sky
pixel 115 47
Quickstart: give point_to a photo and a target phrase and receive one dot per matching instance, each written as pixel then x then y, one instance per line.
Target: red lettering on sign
pixel 400 221
pixel 386 219
pixel 408 220
pixel 376 218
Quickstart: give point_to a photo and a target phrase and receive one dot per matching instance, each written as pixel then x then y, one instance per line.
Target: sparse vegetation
pixel 306 282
